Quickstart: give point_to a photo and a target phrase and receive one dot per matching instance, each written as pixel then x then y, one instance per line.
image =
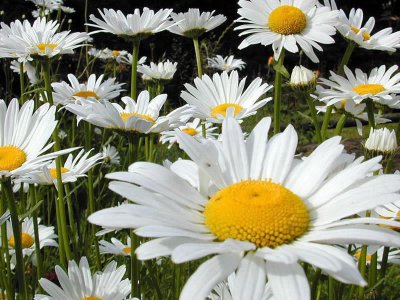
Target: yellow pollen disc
pixel 287 20
pixel 127 250
pixel 53 172
pixel 257 211
pixel 368 88
pixel 86 94
pixel 221 109
pixel 190 131
pixel 27 241
pixel 366 35
pixel 125 116
pixel 11 158
pixel 42 47
pixel 91 298
pixel 115 52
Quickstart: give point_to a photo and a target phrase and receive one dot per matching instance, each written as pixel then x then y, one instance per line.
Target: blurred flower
pixel 115 247
pixel 163 71
pixel 227 63
pixel 381 141
pixel 62 134
pixel 111 155
pixel 49 5
pixel 271 60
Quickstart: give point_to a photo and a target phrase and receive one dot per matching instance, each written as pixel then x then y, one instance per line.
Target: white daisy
pixel 80 284
pixel 111 155
pixel 352 28
pixel 227 63
pixel 380 86
pixel 127 60
pixel 46 237
pixel 193 24
pixel 107 54
pixel 381 140
pixel 27 68
pixel 211 98
pixel 95 89
pixel 141 116
pixel 24 135
pixel 256 205
pixel 132 26
pixel 192 128
pixel 116 247
pixel 163 71
pixel 72 169
pixel 49 5
pixel 41 39
pixel 302 77
pixel 287 24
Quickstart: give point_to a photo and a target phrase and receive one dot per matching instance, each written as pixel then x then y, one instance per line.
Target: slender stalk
pixel 372 276
pixel 198 57
pixel 135 57
pixel 362 264
pixel 34 200
pixel 22 82
pixel 314 117
pixel 71 218
pixel 325 123
pixel 203 129
pixel 278 94
pixel 331 288
pixel 340 124
pixel 4 249
pixel 315 284
pixel 384 262
pixel 20 267
pixel 370 112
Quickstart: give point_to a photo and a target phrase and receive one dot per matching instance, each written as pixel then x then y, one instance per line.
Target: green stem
pixel 20 267
pixel 34 200
pixel 315 283
pixel 71 218
pixel 135 57
pixel 278 94
pixel 314 117
pixel 372 276
pixel 370 112
pixel 22 82
pixel 340 124
pixel 4 249
pixel 203 129
pixel 362 264
pixel 331 288
pixel 384 262
pixel 198 57
pixel 134 266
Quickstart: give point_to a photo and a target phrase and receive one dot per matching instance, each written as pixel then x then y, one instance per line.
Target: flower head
pixel 116 247
pixel 111 155
pixel 163 71
pixel 381 141
pixel 227 63
pixel 303 78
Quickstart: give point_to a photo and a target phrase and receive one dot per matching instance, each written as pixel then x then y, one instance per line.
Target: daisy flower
pixel 383 141
pixel 127 60
pixel 287 25
pixel 352 28
pixel 72 169
pixel 95 89
pixel 39 40
pixel 27 68
pixel 24 134
pixel 49 5
pixel 116 247
pixel 227 63
pixel 193 24
pixel 192 128
pixel 380 86
pixel 253 204
pixel 302 78
pixel 80 284
pixel 107 54
pixel 132 26
pixel 141 116
pixel 211 98
pixel 111 155
pixel 163 71
pixel 46 237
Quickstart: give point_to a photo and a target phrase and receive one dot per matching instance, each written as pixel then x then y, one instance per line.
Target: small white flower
pixel 381 140
pixel 302 77
pixel 62 134
pixel 155 72
pixel 49 5
pixel 116 247
pixel 111 155
pixel 227 63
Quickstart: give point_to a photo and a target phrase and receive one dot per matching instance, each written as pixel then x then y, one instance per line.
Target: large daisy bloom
pixel 94 88
pixel 116 247
pixel 136 25
pixel 227 63
pixel 163 71
pixel 287 25
pixel 80 284
pixel 141 115
pixel 352 28
pixel 41 39
pixel 24 135
pixel 211 98
pixel 251 205
pixel 380 85
pixel 193 23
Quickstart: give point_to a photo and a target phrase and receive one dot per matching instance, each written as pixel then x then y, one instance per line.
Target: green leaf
pixel 31 210
pixel 305 116
pixel 281 69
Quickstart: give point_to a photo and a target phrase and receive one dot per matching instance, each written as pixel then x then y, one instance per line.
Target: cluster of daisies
pixel 253 211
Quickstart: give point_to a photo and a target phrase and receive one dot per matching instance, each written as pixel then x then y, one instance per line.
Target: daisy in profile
pixel 261 206
pixel 116 247
pixel 72 169
pixel 211 98
pixel 25 41
pixel 163 71
pixel 80 284
pixel 381 86
pixel 192 128
pixel 111 155
pixel 353 29
pixel 132 26
pixel 128 60
pixel 227 63
pixel 46 237
pixel 193 23
pixel 381 141
pixel 94 89
pixel 287 25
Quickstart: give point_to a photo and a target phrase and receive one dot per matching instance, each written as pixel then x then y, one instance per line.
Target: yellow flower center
pixel 358 254
pixel 11 158
pixel 221 109
pixel 91 298
pixel 86 94
pixel 43 46
pixel 190 131
pixel 125 116
pixel 287 20
pixel 261 212
pixel 127 250
pixel 115 52
pixel 53 172
pixel 368 88
pixel 27 240
pixel 366 35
